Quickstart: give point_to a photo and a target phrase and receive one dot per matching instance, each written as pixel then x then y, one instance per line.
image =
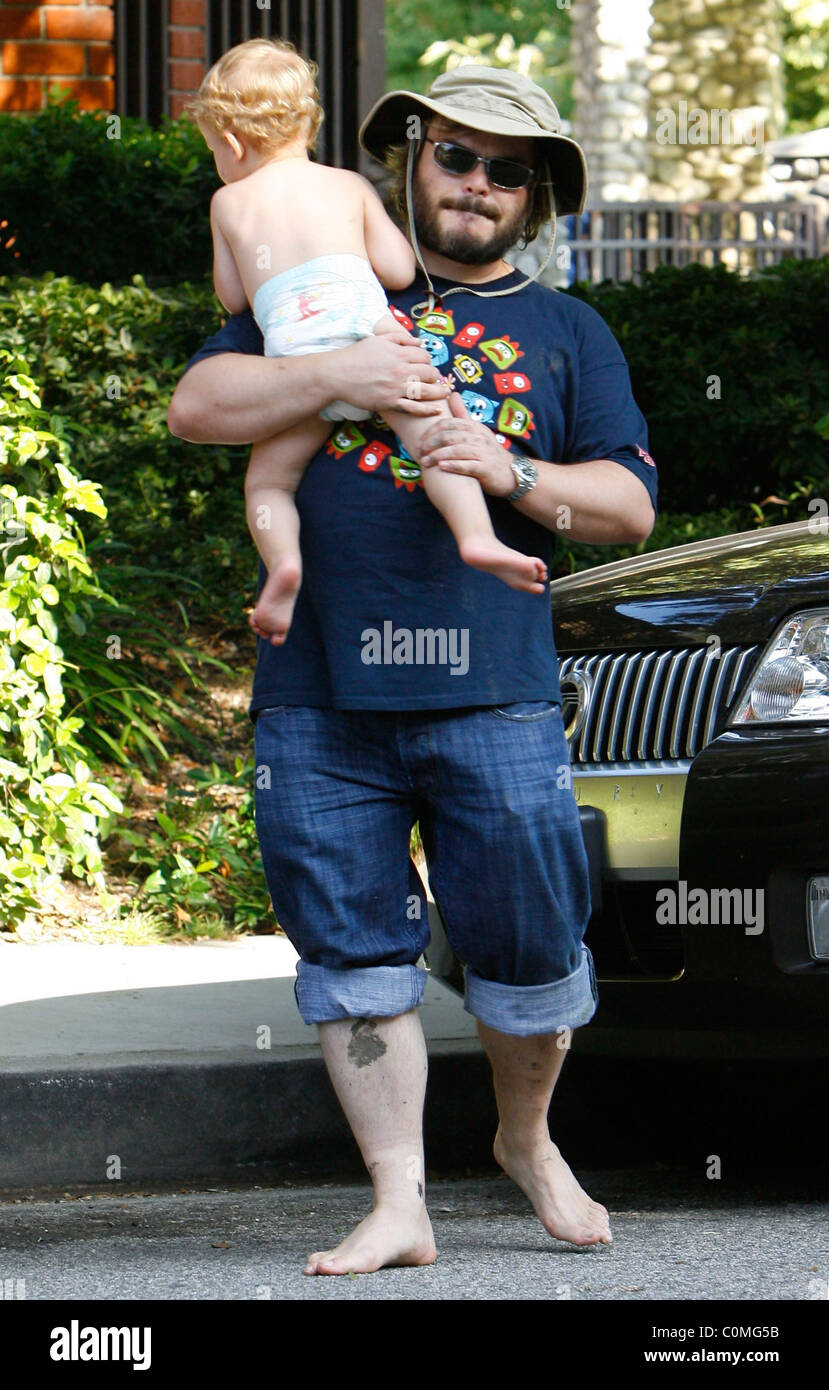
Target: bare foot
pixel 389 1236
pixel 559 1201
pixel 518 570
pixel 271 618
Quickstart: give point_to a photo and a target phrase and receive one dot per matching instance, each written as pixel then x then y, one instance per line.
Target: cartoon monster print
pixel 470 335
pixel 401 318
pixel 438 321
pixel 479 407
pixel 511 381
pixel 343 440
pixel 467 368
pixel 502 351
pixel 436 347
pixel 515 418
pixel 372 456
pixel 406 473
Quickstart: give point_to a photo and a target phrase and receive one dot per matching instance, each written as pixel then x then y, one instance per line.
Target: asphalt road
pixel 677 1235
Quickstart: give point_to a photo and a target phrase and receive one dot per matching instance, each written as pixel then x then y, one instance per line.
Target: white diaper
pixel 328 302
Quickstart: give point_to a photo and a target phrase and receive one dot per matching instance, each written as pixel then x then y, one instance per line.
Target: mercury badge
pixel 576 690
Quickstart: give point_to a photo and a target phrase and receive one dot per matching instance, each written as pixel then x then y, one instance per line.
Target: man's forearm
pixel 599 502
pixel 268 395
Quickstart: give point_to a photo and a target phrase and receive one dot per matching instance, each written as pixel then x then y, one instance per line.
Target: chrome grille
pixel 646 705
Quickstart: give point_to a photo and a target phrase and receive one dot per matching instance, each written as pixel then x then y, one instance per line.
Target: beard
pixel 465 247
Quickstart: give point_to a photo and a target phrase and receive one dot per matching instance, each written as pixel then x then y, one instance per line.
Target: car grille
pixel 646 705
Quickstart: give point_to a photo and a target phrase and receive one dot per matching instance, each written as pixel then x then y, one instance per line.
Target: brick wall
pixel 69 43
pixel 187 51
pixel 66 44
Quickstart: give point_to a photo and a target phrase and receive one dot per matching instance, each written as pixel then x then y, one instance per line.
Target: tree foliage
pixel 532 37
pixel 806 58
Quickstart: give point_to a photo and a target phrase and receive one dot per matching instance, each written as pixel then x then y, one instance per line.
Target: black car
pixel 695 687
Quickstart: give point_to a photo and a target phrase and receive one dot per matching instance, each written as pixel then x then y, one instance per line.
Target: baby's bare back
pixel 288 212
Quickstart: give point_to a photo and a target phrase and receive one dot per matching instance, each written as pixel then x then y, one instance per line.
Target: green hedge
pixel 108 359
pixel 764 339
pixel 77 202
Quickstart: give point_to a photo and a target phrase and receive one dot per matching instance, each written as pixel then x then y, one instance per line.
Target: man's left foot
pixel 389 1236
pixel 559 1201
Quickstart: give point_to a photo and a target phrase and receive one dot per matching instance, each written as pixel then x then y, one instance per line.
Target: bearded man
pixel 414 688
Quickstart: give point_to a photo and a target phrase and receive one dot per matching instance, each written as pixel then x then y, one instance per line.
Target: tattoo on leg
pixel 366 1045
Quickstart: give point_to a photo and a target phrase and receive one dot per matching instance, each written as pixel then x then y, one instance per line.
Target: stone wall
pixel 609 47
pixel 715 99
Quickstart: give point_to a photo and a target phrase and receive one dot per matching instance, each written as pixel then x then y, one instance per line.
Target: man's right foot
pixel 388 1236
pixel 271 618
pixel 515 568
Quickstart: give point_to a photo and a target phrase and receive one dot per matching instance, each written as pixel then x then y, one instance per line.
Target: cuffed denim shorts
pixel 337 792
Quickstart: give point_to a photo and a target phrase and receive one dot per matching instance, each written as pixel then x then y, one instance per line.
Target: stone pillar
pixel 609 46
pixel 716 99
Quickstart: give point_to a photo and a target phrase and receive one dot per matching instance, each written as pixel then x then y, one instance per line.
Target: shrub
pixel 763 338
pixel 53 812
pixel 108 359
pixel 78 202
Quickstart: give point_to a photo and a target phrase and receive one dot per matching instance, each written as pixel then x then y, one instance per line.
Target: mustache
pixel 469 203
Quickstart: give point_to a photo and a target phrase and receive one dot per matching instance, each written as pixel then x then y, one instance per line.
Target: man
pixel 414 688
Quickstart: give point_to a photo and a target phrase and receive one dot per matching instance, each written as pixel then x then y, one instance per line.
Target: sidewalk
pixel 182 1062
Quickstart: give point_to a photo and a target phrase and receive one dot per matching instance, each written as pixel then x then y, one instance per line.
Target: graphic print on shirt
pixel 481 364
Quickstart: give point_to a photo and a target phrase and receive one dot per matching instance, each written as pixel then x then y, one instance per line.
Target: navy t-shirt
pixel 389 616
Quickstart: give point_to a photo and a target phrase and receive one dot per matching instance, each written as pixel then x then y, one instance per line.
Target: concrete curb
pixel 160 1079
pixel 218 1120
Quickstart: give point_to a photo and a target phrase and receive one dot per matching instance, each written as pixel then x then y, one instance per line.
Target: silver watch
pixel 526 476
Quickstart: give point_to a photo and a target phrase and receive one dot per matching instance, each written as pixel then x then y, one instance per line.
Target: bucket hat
pixel 495 100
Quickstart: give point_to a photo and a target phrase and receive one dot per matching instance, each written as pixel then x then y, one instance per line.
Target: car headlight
pixel 792 680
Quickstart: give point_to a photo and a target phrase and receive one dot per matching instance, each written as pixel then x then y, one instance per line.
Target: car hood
pixel 737 587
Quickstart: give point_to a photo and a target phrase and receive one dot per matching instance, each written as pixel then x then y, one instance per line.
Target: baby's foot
pixel 518 570
pixel 271 618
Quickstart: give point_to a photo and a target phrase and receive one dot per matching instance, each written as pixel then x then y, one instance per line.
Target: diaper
pixel 325 303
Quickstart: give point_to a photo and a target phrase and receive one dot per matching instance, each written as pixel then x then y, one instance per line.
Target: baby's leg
pixel 462 505
pixel 274 474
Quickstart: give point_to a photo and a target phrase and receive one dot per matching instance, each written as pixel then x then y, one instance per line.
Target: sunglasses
pixel 502 173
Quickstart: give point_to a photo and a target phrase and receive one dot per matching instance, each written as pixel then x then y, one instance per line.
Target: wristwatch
pixel 526 476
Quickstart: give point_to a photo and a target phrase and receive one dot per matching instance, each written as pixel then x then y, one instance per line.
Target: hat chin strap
pixel 427 305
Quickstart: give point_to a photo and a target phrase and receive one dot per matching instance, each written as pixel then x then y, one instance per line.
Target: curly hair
pixel 541 206
pixel 264 91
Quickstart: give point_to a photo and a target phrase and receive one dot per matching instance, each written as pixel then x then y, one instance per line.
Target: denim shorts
pixel 337 792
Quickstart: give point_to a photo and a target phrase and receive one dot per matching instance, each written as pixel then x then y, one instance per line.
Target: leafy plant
pixel 53 812
pixel 202 853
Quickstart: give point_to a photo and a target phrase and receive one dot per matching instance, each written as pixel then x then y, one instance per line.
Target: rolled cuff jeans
pixel 337 792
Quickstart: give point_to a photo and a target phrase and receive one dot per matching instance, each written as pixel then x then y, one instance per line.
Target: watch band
pixel 526 476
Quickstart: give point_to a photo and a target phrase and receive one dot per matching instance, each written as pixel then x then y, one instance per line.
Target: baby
pixel 309 249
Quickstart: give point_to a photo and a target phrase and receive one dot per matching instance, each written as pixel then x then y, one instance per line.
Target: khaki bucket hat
pixel 495 100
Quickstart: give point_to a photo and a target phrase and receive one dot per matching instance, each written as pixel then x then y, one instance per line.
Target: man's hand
pixel 464 445
pixel 390 371
pixel 596 501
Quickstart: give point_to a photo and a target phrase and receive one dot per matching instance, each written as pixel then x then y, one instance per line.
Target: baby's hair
pixel 265 91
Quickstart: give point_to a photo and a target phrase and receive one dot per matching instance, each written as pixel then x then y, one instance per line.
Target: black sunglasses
pixel 502 173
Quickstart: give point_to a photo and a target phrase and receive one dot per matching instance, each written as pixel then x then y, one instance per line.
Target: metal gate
pixel 344 37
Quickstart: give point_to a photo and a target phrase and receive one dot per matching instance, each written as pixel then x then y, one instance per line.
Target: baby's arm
pixel 227 281
pixel 391 256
